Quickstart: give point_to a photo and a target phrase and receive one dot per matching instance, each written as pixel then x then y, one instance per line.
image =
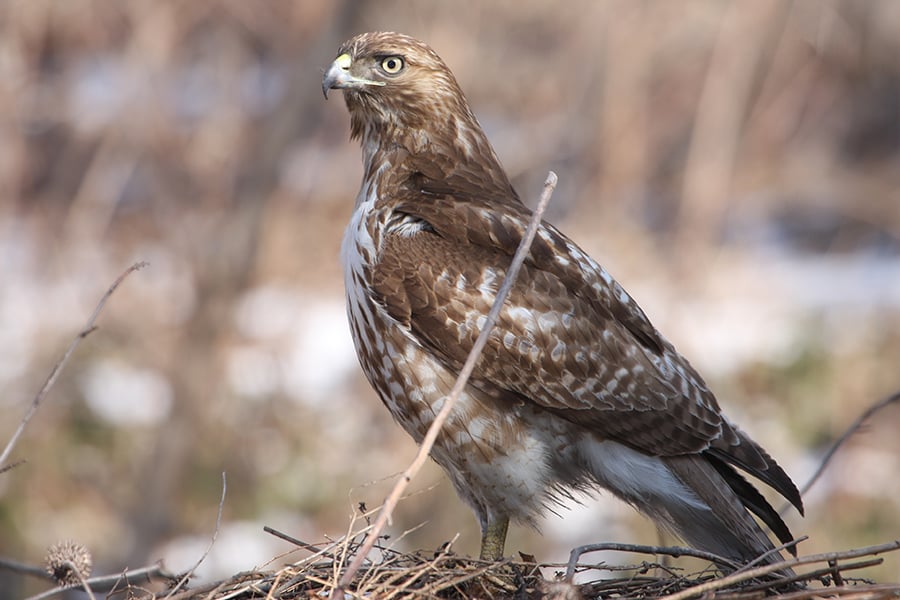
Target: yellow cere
pixel 343 61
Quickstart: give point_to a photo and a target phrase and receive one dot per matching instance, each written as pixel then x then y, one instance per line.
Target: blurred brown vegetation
pixel 735 165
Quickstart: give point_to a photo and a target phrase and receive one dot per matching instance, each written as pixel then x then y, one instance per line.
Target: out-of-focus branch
pixel 838 443
pixel 212 541
pixel 148 573
pixel 57 369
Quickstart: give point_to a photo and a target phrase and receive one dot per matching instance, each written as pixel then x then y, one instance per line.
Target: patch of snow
pixel 127 396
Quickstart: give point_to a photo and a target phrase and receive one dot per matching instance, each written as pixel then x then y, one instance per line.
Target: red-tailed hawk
pixel 576 389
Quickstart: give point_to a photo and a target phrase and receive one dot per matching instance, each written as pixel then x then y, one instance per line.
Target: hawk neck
pixel 456 159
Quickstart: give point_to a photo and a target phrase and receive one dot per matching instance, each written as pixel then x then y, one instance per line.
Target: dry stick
pixel 390 567
pixel 718 584
pixel 26 569
pixel 150 572
pixel 292 540
pixel 857 424
pixel 773 552
pixel 274 586
pixel 461 380
pixel 344 550
pixel 673 551
pixel 57 369
pixel 815 574
pixel 84 584
pixel 53 592
pixel 211 541
pixel 887 590
pixel 441 584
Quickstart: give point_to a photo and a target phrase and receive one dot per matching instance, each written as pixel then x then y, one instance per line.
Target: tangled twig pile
pixel 387 573
pixel 391 574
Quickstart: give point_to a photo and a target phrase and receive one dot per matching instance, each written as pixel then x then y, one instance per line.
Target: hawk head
pixel 394 80
pixel 403 99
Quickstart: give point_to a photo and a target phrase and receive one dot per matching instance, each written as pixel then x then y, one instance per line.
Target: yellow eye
pixel 392 65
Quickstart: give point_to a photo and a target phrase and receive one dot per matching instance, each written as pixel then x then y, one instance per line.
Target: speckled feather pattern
pixel 576 388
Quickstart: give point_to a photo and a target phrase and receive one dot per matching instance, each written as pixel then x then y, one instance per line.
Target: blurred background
pixel 735 165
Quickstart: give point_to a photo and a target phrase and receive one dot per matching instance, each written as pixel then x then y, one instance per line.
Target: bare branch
pixel 461 381
pixel 773 551
pixel 26 569
pixel 149 572
pixel 854 427
pixel 211 541
pixel 102 582
pixel 73 568
pixel 292 540
pixel 673 551
pixel 728 580
pixel 57 369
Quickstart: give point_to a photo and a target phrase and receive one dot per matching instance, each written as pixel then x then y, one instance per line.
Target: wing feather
pixel 569 337
pixel 566 339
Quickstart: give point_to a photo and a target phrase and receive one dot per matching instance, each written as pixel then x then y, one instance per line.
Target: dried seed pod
pixel 68 562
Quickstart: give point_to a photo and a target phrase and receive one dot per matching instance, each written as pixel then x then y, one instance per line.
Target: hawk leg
pixel 493 539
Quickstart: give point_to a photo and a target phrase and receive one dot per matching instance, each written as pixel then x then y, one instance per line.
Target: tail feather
pixel 699 498
pixel 726 529
pixel 738 450
pixel 754 501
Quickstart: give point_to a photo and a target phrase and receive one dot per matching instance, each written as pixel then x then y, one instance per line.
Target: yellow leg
pixel 493 539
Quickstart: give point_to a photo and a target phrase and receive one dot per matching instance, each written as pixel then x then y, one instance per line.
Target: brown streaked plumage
pixel 576 389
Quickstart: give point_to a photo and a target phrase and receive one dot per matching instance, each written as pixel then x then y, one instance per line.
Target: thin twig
pixel 461 381
pixel 57 369
pixel 872 591
pixel 149 572
pixel 274 586
pixel 73 568
pixel 11 466
pixel 854 427
pixel 18 567
pixel 211 541
pixel 292 540
pixel 371 535
pixel 815 574
pixel 388 554
pixel 773 552
pixel 728 580
pixel 673 551
pixel 439 585
pixel 51 593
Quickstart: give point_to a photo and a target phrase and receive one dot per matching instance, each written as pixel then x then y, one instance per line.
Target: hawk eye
pixel 392 65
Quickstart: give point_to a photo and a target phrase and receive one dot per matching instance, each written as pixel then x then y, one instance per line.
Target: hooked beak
pixel 338 77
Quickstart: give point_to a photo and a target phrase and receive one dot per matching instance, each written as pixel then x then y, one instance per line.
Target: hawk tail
pixel 698 497
pixel 723 524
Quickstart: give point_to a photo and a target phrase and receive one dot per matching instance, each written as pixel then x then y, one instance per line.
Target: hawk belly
pixel 496 458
